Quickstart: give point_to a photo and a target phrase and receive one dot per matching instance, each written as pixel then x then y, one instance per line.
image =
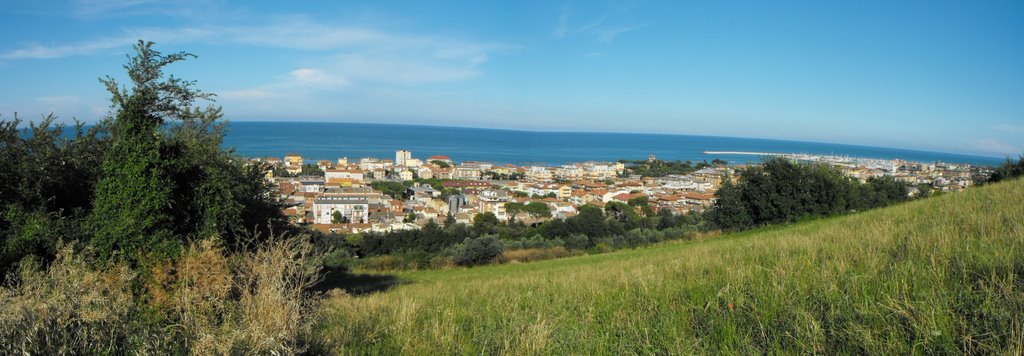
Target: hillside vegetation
pixel 938 275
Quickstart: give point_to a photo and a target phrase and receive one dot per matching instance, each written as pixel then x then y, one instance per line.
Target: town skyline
pixel 937 77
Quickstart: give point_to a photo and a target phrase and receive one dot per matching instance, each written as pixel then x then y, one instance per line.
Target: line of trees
pixel 618 225
pixel 781 191
pixel 660 168
pixel 1008 170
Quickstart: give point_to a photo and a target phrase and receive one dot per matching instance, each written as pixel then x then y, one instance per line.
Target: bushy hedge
pixel 1008 170
pixel 478 251
pixel 781 191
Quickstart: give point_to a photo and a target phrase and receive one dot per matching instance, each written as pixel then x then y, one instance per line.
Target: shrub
pixel 441 262
pixel 477 251
pixel 338 260
pixel 384 263
pixel 578 242
pixel 534 242
pixel 679 233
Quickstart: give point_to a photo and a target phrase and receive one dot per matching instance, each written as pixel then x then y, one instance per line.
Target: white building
pixel 402 157
pixel 539 173
pixel 354 209
pixel 413 163
pixel 370 163
pixel 494 202
pixel 336 174
pixel 466 173
pixel 311 184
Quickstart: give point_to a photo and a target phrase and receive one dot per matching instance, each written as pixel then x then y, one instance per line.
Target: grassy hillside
pixel 939 275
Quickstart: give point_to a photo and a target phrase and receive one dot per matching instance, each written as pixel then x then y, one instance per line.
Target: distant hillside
pixel 940 275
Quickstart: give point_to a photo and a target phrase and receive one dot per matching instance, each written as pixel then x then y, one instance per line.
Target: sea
pixel 330 141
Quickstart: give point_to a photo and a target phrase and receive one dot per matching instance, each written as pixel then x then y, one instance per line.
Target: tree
pixel 165 178
pixel 485 222
pixel 132 211
pixel 730 210
pixel 47 178
pixel 623 213
pixel 666 219
pixel 337 218
pixel 513 209
pixel 1008 170
pixel 537 209
pixel 589 221
pixel 393 189
pixel 924 190
pixel 440 163
pixel 310 169
pixel 478 251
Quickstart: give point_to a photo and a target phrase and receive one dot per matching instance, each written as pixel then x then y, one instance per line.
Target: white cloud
pixel 331 59
pixel 563 24
pixel 397 69
pixel 302 35
pixel 314 77
pixel 995 146
pixel 58 104
pixel 603 32
pixel 246 94
pixel 39 51
pixel 596 29
pixel 121 42
pixel 59 100
pixel 1008 128
pixel 94 9
pixel 87 8
pixel 349 54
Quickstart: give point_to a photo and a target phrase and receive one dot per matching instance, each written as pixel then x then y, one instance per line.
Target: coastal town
pixel 407 192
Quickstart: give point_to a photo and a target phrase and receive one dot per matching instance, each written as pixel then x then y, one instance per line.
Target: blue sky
pixel 932 75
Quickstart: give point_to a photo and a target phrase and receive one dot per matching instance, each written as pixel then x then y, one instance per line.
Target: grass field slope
pixel 940 275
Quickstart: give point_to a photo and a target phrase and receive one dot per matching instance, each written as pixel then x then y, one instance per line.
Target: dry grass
pixel 942 275
pixel 66 308
pixel 534 254
pixel 207 302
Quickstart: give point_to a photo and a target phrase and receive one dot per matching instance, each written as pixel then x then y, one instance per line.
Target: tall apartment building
pixel 401 157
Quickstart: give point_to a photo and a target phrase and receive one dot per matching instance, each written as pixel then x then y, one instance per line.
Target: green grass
pixel 941 275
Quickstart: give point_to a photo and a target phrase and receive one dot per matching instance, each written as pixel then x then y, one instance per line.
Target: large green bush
pixel 782 191
pixel 478 251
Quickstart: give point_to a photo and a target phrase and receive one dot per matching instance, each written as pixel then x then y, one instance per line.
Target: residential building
pixel 405 174
pixel 354 209
pixel 401 157
pixel 334 175
pixel 293 160
pixel 293 163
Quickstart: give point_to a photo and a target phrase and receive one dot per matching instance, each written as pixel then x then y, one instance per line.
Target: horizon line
pixel 618 132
